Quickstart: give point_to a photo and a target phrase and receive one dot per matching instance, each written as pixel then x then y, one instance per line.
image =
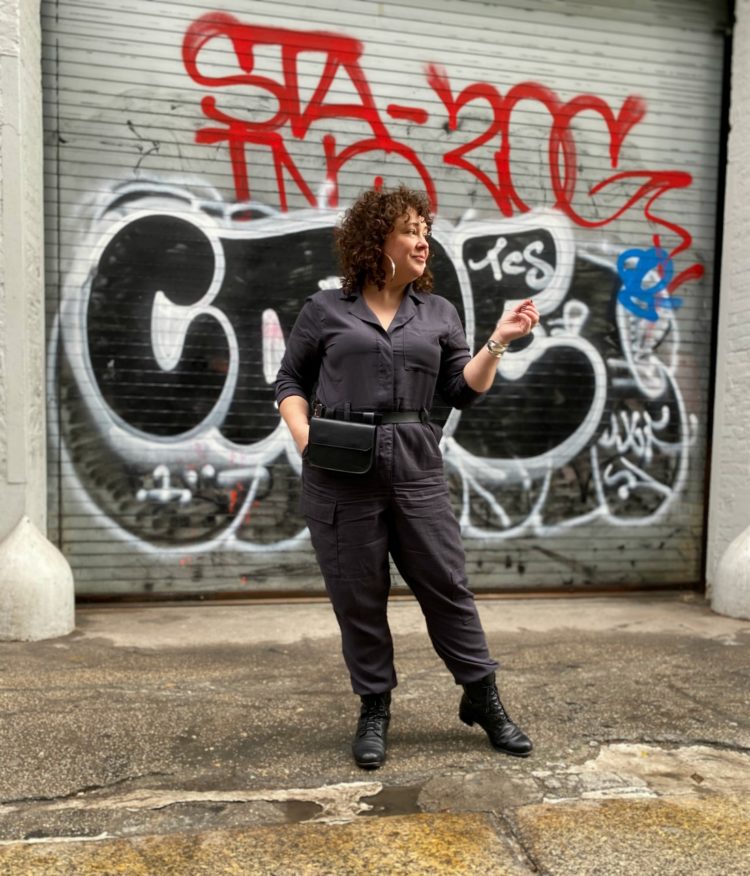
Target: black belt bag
pixel 348 445
pixel 340 445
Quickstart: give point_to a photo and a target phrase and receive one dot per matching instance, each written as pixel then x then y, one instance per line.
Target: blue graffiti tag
pixel 633 266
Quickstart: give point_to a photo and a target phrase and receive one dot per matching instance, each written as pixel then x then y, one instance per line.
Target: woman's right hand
pixel 295 412
pixel 518 322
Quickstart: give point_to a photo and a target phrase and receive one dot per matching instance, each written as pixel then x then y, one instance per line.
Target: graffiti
pixel 537 272
pixel 179 286
pixel 169 349
pixel 637 268
pixel 341 55
pixel 597 204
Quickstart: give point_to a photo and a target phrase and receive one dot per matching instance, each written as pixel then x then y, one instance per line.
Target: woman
pixel 377 350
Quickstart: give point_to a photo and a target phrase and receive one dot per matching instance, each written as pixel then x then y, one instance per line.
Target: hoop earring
pixel 393 265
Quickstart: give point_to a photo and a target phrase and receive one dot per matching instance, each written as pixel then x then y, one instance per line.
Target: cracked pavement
pixel 215 737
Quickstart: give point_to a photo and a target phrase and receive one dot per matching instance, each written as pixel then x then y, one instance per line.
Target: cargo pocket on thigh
pixel 462 597
pixel 320 516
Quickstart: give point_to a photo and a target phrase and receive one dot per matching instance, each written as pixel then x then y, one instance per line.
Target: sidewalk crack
pixel 80 792
pixel 507 829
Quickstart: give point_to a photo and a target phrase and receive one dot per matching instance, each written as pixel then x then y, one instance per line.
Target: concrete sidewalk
pixel 214 739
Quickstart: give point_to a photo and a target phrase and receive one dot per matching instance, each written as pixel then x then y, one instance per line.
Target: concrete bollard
pixel 730 594
pixel 37 599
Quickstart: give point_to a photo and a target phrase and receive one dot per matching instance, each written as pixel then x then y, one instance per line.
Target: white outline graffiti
pixel 620 446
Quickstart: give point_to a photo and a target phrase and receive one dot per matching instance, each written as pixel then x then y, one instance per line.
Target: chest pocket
pixel 421 349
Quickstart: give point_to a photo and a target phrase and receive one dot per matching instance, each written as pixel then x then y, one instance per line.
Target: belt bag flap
pixel 339 445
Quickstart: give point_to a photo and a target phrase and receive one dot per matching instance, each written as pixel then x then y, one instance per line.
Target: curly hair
pixel 364 228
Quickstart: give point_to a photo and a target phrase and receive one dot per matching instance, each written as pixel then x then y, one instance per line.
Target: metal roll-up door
pixel 196 161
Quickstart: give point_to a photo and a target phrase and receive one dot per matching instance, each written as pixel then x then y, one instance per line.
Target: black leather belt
pixel 403 417
pixel 379 418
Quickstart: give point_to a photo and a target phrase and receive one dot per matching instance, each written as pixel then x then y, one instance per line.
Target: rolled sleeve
pixel 300 364
pixel 451 383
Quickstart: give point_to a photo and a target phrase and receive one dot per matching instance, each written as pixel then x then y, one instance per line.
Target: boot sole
pixel 369 766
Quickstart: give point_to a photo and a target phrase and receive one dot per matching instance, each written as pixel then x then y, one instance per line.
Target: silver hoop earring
pixel 393 265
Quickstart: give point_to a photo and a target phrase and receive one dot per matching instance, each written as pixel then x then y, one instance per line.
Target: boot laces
pixel 495 706
pixel 371 718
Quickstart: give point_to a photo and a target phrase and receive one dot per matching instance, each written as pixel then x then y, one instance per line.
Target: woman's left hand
pixel 518 322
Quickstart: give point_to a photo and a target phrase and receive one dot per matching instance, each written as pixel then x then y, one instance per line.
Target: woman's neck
pixel 384 303
pixel 389 294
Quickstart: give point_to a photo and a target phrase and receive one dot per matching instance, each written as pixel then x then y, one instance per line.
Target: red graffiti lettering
pixel 341 55
pixel 407 113
pixel 288 114
pixel 563 158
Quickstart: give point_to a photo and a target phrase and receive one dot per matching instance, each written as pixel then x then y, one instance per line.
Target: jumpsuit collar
pixel 407 309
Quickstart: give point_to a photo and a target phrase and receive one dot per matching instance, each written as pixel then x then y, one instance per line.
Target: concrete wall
pixel 23 481
pixel 36 584
pixel 729 507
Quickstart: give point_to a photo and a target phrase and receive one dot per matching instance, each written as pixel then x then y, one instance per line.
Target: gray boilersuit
pixel 339 349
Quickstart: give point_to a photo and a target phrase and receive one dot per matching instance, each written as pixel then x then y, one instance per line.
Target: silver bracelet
pixel 496 348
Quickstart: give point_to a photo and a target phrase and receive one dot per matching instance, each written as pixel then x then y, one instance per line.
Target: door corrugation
pixel 196 162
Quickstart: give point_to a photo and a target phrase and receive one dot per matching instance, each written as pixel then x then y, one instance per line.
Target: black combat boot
pixel 481 704
pixel 368 746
